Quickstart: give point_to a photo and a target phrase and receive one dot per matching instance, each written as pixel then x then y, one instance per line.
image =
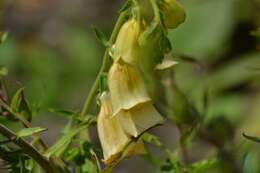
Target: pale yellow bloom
pixel 126 45
pixel 114 141
pixel 139 119
pixel 126 86
pixel 112 136
pixel 173 13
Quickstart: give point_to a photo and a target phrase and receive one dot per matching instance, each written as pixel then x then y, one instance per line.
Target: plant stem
pixel 26 123
pixel 156 10
pixel 28 149
pixel 94 88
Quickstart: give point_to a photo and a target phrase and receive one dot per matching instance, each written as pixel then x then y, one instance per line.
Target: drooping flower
pixel 114 140
pixel 140 118
pixel 139 45
pixel 126 45
pixel 111 134
pixel 126 86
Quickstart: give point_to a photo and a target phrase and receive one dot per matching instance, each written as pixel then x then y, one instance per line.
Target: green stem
pixel 156 11
pixel 28 149
pixel 93 90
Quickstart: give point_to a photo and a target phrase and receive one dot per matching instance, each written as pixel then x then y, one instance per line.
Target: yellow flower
pixel 114 141
pixel 136 47
pixel 139 119
pixel 126 87
pixel 126 45
pixel 173 13
pixel 112 137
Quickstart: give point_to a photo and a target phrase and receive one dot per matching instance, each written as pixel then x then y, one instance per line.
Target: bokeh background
pixel 53 53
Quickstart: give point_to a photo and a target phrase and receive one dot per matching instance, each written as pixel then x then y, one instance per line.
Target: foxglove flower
pixel 126 87
pixel 114 140
pixel 138 119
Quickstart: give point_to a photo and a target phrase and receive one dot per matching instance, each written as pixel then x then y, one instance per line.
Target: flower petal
pixel 126 86
pixel 112 137
pixel 139 119
pixel 126 45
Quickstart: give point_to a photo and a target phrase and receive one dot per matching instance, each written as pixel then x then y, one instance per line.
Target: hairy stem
pixel 28 149
pixel 93 90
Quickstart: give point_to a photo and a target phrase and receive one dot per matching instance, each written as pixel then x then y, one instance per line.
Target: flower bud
pixel 139 119
pixel 112 136
pixel 139 45
pixel 126 45
pixel 173 13
pixel 126 87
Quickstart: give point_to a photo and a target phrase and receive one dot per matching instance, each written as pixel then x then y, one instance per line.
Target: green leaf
pixel 250 161
pixel 203 166
pixel 88 167
pixel 126 6
pixel 149 138
pixel 103 83
pixel 3 71
pixel 252 138
pixel 101 36
pixel 20 105
pixel 62 111
pixel 148 33
pixel 3 36
pixel 29 131
pixel 62 144
pixel 32 166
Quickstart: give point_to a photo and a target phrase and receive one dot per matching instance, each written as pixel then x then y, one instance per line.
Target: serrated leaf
pixel 101 36
pixel 252 138
pixel 149 138
pixel 20 105
pixel 29 131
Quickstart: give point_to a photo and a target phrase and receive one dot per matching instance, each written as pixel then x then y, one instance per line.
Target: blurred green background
pixel 53 53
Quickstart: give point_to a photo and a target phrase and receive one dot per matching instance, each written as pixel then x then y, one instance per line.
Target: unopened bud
pixel 173 13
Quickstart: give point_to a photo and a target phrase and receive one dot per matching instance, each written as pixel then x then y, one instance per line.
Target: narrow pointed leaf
pixel 29 131
pixel 101 36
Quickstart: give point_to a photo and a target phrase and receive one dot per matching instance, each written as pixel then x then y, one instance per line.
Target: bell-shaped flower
pixel 111 134
pixel 126 86
pixel 139 45
pixel 140 118
pixel 126 45
pixel 114 141
pixel 173 13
